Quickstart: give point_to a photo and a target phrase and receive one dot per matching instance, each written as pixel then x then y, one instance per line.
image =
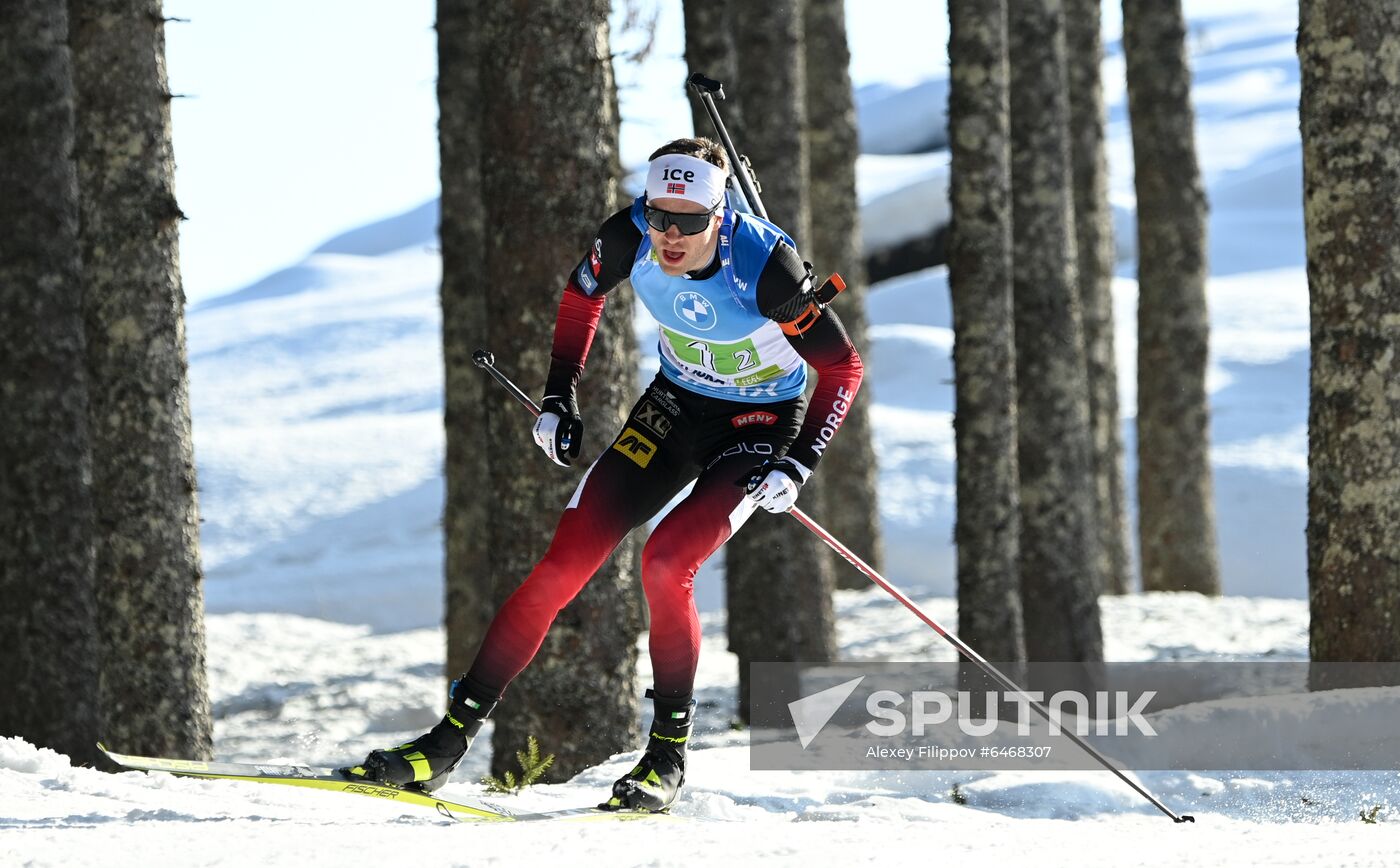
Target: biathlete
pixel 740 322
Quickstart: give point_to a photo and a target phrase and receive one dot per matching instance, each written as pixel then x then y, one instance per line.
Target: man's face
pixel 679 253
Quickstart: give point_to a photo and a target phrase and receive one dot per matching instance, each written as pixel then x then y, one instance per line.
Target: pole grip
pixel 702 83
pixel 487 362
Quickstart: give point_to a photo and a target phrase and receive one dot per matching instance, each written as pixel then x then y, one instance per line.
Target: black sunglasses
pixel 688 224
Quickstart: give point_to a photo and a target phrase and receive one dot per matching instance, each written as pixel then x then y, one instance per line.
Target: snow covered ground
pixel 317 413
pixel 281 697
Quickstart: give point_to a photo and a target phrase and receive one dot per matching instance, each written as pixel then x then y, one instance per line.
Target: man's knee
pixel 550 586
pixel 664 567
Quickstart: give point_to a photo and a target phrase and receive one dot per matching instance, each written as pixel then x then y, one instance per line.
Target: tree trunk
pixel 846 488
pixel 468 400
pixel 548 179
pixel 770 83
pixel 48 640
pixel 778 579
pixel 1059 588
pixel 987 530
pixel 1176 508
pixel 709 48
pixel 150 594
pixel 1351 182
pixel 1094 243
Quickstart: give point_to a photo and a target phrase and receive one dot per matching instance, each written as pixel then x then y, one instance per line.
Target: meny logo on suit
pixel 757 417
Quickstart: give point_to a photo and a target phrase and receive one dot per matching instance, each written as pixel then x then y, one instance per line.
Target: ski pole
pixel 485 360
pixel 966 651
pixel 707 89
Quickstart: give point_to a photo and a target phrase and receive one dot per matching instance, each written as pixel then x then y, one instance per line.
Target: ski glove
pixel 774 485
pixel 559 430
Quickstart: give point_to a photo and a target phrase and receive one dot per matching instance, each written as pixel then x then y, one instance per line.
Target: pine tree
pixel 1093 221
pixel 774 565
pixel 709 49
pixel 984 355
pixel 1351 184
pixel 467 399
pixel 48 631
pixel 150 598
pixel 532 768
pixel 549 177
pixel 1059 589
pixel 1176 508
pixel 846 489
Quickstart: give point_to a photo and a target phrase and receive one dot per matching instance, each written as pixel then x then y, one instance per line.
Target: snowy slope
pixel 317 391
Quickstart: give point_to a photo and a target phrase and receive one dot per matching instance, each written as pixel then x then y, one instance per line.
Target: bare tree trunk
pixel 984 352
pixel 709 48
pixel 778 579
pixel 1176 507
pixel 150 587
pixel 48 632
pixel 846 489
pixel 1094 243
pixel 1059 589
pixel 1351 182
pixel 548 178
pixel 467 402
pixel 770 83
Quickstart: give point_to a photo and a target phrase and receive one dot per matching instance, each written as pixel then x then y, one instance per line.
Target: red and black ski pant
pixel 671 437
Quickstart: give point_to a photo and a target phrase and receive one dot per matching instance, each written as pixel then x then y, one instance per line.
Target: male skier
pixel 739 324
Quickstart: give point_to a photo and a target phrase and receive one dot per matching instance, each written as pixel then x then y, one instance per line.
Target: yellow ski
pixel 472 811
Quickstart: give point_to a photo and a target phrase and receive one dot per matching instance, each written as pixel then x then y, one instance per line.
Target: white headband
pixel 678 176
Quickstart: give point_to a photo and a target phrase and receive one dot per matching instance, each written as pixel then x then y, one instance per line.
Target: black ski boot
pixel 656 781
pixel 429 760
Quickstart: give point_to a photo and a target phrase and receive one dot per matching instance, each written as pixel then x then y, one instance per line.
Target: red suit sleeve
pixel 574 328
pixel 839 373
pixel 607 264
pixel 816 333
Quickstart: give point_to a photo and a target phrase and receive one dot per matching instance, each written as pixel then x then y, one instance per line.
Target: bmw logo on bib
pixel 695 310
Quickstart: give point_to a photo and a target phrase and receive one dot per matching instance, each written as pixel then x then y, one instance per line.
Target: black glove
pixel 559 429
pixel 774 484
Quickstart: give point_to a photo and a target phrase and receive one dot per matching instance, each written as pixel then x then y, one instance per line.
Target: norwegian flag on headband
pixel 686 177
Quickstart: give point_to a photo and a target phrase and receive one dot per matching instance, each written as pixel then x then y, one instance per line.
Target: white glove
pixel 774 485
pixel 559 430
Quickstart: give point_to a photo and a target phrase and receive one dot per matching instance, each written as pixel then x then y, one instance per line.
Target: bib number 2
pixel 736 359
